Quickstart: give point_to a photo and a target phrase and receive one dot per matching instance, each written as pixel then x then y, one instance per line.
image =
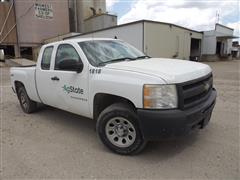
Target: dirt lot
pixel 56 144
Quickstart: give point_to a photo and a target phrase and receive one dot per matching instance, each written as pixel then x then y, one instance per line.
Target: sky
pixel 198 15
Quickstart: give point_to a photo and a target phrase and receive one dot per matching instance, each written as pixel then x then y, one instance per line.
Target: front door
pixel 71 87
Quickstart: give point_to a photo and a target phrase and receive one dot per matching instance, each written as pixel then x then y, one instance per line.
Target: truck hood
pixel 170 70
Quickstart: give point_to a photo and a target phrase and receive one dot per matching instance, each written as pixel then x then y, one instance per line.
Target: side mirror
pixel 70 65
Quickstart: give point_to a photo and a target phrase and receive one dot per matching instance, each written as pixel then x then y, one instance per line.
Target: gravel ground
pixel 56 144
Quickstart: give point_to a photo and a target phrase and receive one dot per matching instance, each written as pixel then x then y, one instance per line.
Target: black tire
pixel 28 106
pixel 125 112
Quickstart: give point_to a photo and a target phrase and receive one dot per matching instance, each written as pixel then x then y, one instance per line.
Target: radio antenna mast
pixel 217 17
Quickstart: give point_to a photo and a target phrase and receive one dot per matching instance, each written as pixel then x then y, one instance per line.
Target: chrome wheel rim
pixel 23 101
pixel 120 132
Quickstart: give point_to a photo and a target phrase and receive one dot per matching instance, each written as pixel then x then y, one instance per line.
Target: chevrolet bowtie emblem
pixel 206 86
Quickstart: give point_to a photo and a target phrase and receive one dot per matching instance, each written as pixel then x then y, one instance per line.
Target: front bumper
pixel 156 124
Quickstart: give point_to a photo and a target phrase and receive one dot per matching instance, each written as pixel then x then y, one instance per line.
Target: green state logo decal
pixel 72 89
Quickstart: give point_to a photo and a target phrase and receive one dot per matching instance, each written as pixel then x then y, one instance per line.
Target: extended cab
pixel 133 97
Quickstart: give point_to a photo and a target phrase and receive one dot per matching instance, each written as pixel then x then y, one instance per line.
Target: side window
pixel 66 52
pixel 46 58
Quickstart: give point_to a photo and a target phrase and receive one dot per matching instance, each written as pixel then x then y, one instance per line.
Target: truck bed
pixel 25 75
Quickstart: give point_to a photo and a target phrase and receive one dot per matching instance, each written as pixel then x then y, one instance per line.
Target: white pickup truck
pixel 132 97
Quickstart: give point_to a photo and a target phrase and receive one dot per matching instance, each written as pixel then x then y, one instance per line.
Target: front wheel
pixel 118 129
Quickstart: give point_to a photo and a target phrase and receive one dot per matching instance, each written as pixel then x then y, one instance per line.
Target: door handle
pixel 55 78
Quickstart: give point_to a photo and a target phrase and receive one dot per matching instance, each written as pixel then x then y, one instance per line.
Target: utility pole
pixel 75 15
pixel 16 47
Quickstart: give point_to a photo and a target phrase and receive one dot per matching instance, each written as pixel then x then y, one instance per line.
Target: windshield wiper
pixel 123 59
pixel 116 60
pixel 142 57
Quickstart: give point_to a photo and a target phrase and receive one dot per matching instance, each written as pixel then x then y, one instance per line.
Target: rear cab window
pixel 46 58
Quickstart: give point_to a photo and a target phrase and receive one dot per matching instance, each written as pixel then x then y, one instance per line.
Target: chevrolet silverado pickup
pixel 133 98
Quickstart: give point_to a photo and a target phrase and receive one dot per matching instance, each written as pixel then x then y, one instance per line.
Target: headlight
pixel 160 96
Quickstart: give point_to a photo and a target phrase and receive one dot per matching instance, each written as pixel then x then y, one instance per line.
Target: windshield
pixel 100 52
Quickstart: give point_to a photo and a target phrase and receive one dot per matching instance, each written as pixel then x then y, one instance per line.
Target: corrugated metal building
pixel 217 43
pixel 156 39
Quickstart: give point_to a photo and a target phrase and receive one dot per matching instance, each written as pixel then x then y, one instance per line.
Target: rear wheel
pixel 27 105
pixel 118 129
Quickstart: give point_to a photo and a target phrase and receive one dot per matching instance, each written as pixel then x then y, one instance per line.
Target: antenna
pixel 217 17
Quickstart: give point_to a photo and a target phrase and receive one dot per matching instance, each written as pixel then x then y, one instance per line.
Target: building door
pixel 218 48
pixel 195 49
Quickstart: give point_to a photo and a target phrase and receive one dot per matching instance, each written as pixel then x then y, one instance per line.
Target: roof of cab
pixel 80 40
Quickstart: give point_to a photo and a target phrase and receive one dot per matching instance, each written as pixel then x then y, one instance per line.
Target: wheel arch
pixel 103 100
pixel 17 85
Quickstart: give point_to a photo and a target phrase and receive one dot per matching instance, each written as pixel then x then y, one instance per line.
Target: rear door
pixel 44 75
